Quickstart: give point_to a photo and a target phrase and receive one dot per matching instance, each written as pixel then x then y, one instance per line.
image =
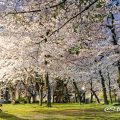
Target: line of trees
pixel 73 39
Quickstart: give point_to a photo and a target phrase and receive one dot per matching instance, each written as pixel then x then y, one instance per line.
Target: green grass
pixel 71 111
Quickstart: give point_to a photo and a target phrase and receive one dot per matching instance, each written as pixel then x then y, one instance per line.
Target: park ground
pixel 71 111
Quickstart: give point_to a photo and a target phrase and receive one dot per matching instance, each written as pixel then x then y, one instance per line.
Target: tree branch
pixel 39 10
pixel 86 8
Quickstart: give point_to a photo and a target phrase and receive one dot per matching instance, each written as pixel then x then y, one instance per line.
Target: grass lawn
pixel 71 111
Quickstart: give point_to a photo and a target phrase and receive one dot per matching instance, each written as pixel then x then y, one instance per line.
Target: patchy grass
pixel 71 111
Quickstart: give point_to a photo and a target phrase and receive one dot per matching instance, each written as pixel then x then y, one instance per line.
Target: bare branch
pixel 86 8
pixel 35 11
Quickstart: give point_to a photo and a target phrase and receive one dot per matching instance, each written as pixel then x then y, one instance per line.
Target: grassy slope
pixel 57 112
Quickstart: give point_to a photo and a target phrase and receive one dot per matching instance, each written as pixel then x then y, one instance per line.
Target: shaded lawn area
pixel 71 111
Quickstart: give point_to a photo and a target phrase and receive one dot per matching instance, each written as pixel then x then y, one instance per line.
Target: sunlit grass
pixel 71 111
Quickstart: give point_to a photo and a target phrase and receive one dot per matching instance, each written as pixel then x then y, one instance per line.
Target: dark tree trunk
pixel 84 97
pixel 119 74
pixel 109 86
pixel 13 95
pixel 7 95
pixel 48 90
pixel 34 98
pixel 41 95
pixel 28 99
pixel 53 98
pixel 61 93
pixel 91 87
pixel 76 97
pixel 104 88
pixel 112 28
pixel 77 91
pixel 110 94
pixel 66 93
pixel 115 95
pixel 39 87
pixel 91 98
pixel 93 92
pixel 19 95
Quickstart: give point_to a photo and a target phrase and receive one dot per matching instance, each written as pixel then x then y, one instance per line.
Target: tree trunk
pixel 7 95
pixel 109 86
pixel 91 87
pixel 104 88
pixel 28 99
pixel 76 98
pixel 13 97
pixel 48 90
pixel 77 91
pixel 110 94
pixel 115 39
pixel 41 96
pixel 115 95
pixel 84 97
pixel 119 74
pixel 91 97
pixel 34 98
pixel 93 92
pixel 53 98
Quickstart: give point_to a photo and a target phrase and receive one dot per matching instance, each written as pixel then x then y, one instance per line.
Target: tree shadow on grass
pixel 7 116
